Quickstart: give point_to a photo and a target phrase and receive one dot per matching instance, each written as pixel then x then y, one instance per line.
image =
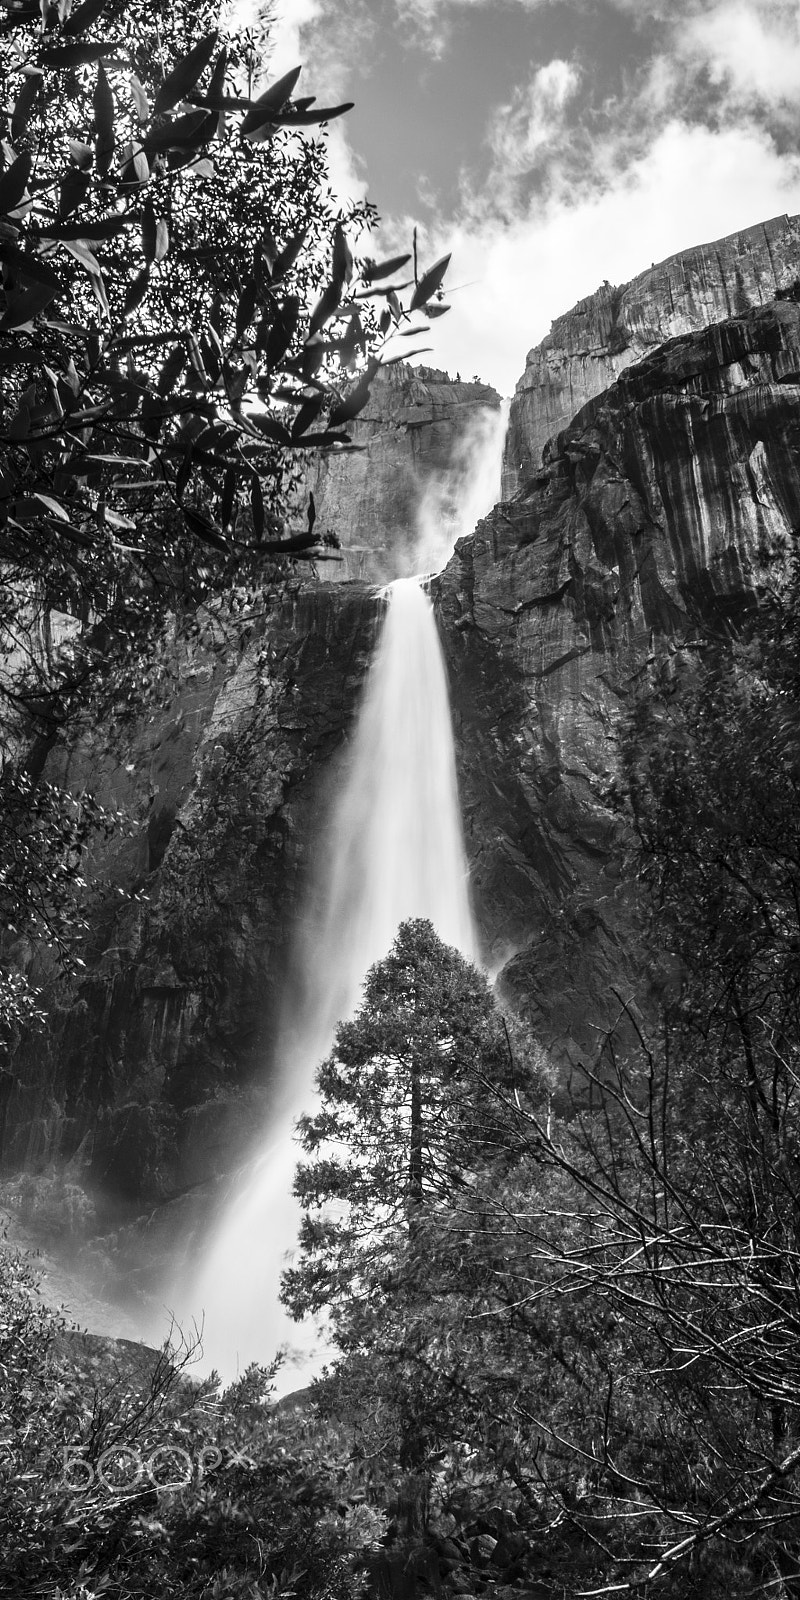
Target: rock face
pixel 416 437
pixel 660 513
pixel 588 348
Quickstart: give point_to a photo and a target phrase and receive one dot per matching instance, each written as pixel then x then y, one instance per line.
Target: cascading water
pixel 394 850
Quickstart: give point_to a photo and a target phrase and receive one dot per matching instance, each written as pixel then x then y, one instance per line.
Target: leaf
pixel 429 283
pixel 228 496
pixel 204 529
pixel 184 133
pixel 405 355
pixel 438 310
pixel 149 231
pixel 282 331
pixel 372 270
pixel 184 75
pixel 14 182
pixel 24 104
pixel 96 231
pixel 307 119
pixel 81 252
pixel 270 427
pixel 353 402
pixel 257 506
pixel 288 255
pixel 104 121
pixel 136 291
pixel 139 97
pixel 307 414
pixel 328 303
pixel 87 14
pixel 78 55
pixel 22 307
pixel 246 309
pixel 82 154
pixel 261 115
pixel 171 370
pixel 73 190
pixel 342 268
pixel 134 167
pixel 54 506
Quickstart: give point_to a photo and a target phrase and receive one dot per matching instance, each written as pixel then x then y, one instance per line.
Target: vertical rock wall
pixel 588 347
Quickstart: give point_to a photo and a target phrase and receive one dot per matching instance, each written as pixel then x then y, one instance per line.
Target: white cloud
pixel 751 48
pixel 692 186
pixel 530 126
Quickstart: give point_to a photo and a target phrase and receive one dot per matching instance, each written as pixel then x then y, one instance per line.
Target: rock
pixel 662 513
pixel 416 435
pixel 588 347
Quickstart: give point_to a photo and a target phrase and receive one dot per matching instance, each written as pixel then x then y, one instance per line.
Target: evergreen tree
pixel 408 1114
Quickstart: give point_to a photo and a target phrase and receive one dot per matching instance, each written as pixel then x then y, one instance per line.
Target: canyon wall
pixel 662 510
pixel 588 347
pixel 414 438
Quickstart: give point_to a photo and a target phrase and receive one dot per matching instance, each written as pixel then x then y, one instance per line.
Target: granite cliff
pixel 659 512
pixel 588 347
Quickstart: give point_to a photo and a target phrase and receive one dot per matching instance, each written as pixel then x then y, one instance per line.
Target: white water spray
pixel 394 851
pixel 455 500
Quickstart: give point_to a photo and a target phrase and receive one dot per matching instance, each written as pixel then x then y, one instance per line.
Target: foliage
pixel 120 1476
pixel 405 1118
pixel 181 314
pixel 182 320
pixel 45 835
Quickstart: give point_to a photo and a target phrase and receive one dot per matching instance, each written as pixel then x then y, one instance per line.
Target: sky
pixel 550 144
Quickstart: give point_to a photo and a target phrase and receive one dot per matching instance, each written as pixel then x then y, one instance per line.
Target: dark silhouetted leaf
pixel 429 283
pixel 437 310
pixel 96 231
pixel 171 370
pixel 245 310
pixel 184 75
pixel 261 115
pixel 383 269
pixel 79 55
pixel 355 400
pixel 270 428
pixel 288 255
pixel 342 266
pixel 24 104
pixel 73 190
pixel 183 134
pixel 23 306
pixel 14 181
pixel 149 231
pixel 282 330
pixel 228 497
pixel 90 12
pixel 307 119
pixel 204 529
pixel 104 121
pixel 328 303
pixel 307 414
pixel 257 506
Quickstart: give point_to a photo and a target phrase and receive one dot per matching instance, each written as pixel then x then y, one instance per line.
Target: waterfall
pixel 394 850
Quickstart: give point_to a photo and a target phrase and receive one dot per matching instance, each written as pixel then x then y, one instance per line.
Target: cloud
pixel 692 186
pixel 750 49
pixel 530 127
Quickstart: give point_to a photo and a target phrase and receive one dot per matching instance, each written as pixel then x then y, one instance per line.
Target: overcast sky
pixel 551 144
